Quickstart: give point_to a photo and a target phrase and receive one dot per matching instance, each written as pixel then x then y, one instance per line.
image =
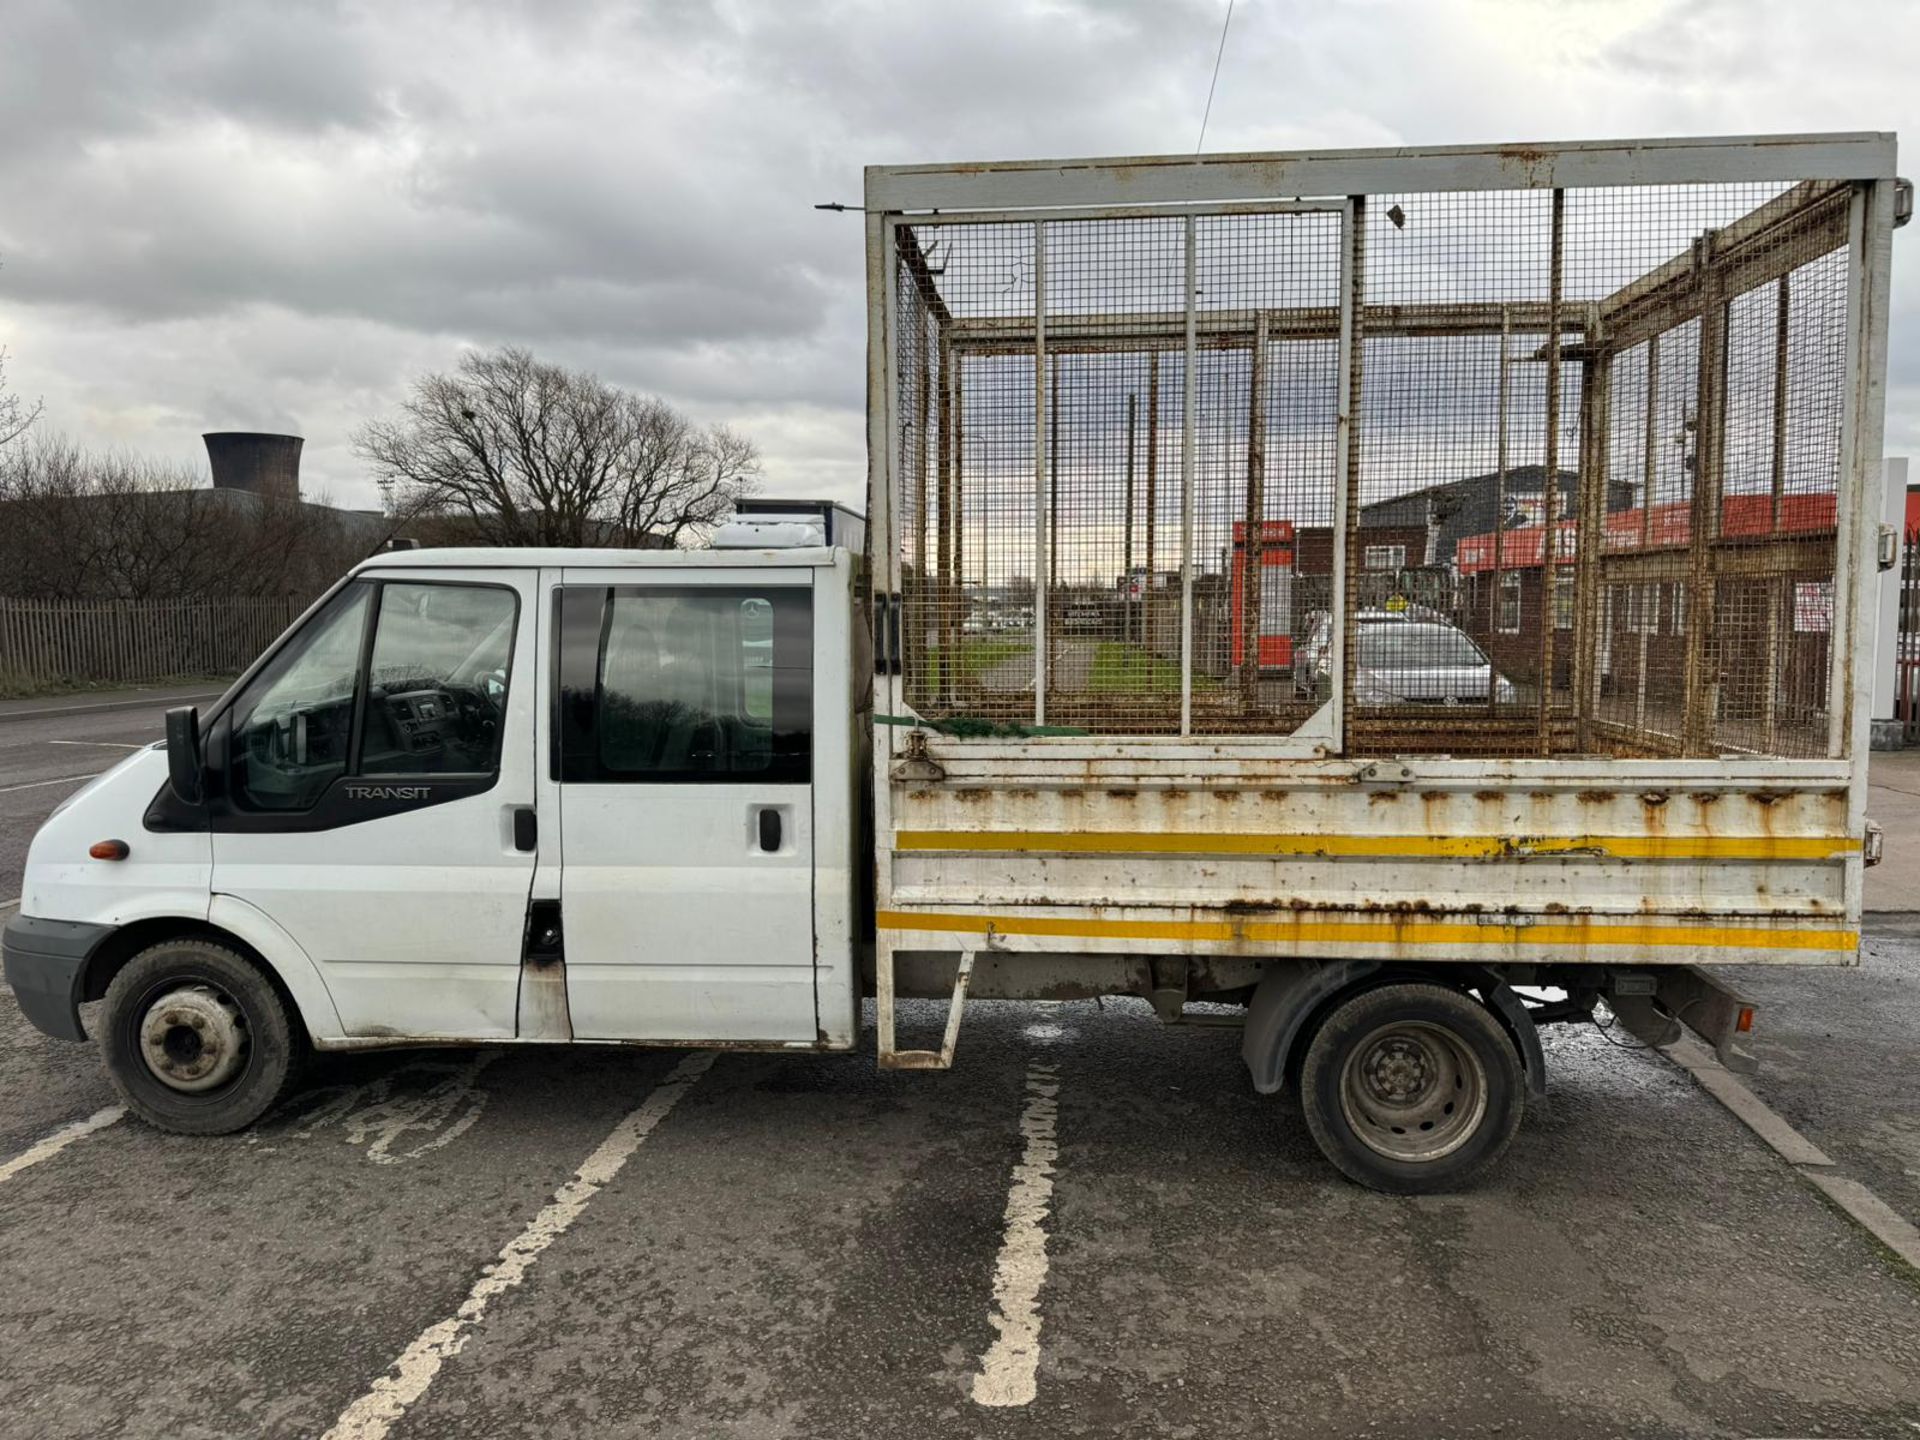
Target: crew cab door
pixel 686 798
pixel 373 792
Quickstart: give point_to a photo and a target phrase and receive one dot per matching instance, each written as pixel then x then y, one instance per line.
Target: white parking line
pixel 52 1145
pixel 1855 1200
pixel 103 744
pixel 1008 1369
pixel 62 780
pixel 109 705
pixel 1721 1083
pixel 9 904
pixel 1890 1228
pixel 386 1401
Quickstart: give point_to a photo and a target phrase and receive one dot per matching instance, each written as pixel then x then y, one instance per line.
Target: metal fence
pixel 60 642
pixel 1589 500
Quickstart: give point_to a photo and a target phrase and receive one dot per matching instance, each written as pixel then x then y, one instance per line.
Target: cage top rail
pixel 1130 181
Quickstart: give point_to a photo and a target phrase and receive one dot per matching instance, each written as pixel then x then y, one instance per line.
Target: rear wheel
pixel 1411 1088
pixel 196 1038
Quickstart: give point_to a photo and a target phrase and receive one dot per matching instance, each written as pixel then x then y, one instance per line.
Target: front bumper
pixel 44 960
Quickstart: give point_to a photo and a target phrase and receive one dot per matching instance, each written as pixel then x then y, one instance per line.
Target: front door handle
pixel 770 830
pixel 526 829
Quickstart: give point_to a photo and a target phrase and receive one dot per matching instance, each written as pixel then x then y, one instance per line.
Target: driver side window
pixel 437 687
pixel 430 699
pixel 293 727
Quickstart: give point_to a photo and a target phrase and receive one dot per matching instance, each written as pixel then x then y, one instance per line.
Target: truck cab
pixel 478 796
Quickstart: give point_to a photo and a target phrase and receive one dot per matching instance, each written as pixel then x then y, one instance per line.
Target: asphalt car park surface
pixel 799 1245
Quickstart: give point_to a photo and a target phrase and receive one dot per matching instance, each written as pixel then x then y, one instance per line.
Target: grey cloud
pixel 226 212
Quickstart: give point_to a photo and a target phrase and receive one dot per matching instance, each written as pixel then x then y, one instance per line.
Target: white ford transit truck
pixel 1398 598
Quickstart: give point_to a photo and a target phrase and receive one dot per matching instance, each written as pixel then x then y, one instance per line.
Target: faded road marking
pixel 103 744
pixel 1721 1083
pixel 1854 1200
pixel 9 904
pixel 444 1111
pixel 1868 1210
pixel 37 784
pixel 1008 1368
pixel 60 1139
pixel 374 1413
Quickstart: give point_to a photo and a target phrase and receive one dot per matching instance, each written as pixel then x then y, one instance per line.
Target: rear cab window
pixel 685 684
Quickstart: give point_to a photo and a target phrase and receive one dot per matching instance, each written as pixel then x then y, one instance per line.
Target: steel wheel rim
pixel 1412 1090
pixel 193 1039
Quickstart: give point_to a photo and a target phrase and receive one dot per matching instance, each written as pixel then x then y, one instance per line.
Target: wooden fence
pixel 58 642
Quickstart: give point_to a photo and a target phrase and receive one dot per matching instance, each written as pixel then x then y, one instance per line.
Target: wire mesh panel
pixel 1722 446
pixel 965 458
pixel 1590 501
pixel 1454 481
pixel 1114 343
pixel 1266 424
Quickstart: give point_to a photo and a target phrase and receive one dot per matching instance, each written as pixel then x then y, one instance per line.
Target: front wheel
pixel 196 1038
pixel 1411 1088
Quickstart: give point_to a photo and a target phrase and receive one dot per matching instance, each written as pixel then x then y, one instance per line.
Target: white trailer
pixel 1573 451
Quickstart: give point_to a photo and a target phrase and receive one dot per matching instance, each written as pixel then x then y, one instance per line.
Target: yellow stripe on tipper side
pixel 1411 928
pixel 1384 847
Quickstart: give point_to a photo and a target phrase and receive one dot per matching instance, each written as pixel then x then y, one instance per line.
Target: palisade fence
pixel 73 642
pixel 1906 655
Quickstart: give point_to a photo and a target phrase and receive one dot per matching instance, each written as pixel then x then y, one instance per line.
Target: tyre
pixel 1411 1088
pixel 196 1038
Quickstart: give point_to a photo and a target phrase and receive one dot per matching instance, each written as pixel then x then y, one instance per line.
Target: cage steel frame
pixel 1824 195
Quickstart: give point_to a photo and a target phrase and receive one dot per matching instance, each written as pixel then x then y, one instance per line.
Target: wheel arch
pixel 1295 995
pixel 287 968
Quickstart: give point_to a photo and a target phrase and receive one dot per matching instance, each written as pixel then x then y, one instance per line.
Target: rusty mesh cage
pixel 1587 500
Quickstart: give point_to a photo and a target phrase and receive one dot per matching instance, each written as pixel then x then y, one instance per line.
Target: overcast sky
pixel 270 216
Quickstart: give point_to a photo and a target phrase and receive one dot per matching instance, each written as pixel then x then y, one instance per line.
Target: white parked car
pixel 1409 657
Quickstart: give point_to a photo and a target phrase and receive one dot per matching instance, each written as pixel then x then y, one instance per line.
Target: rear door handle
pixel 526 829
pixel 770 830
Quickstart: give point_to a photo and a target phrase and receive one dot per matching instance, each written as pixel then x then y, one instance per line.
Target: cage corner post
pixel 1042 477
pixel 1187 482
pixel 946 591
pixel 1342 621
pixel 1701 690
pixel 1870 237
pixel 1594 488
pixel 1253 544
pixel 882 541
pixel 1550 485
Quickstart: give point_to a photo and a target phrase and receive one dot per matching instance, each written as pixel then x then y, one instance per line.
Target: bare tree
pixel 76 524
pixel 514 451
pixel 15 414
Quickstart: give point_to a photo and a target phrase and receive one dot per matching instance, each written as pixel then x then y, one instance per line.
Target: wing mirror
pixel 184 768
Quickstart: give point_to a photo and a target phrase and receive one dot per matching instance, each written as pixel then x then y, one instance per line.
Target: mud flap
pixel 1286 997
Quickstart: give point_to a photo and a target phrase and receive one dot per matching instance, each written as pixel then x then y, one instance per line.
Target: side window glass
pixel 437 682
pixel 690 685
pixel 292 726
